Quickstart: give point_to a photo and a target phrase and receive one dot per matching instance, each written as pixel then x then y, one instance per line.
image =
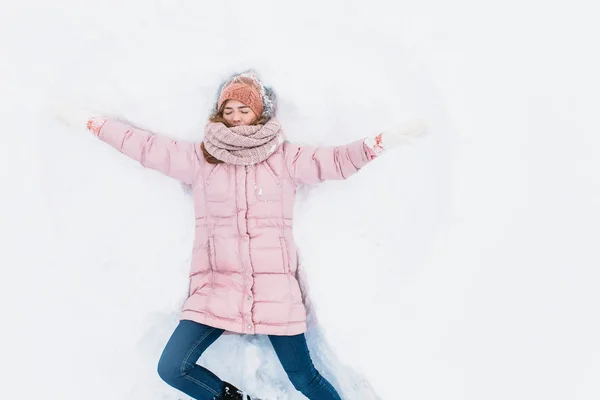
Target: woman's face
pixel 237 113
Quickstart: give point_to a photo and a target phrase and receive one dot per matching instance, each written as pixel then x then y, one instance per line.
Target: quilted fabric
pixel 244 262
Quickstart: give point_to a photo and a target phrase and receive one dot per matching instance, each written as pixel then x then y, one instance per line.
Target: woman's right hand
pixel 77 118
pixel 73 117
pixel 94 124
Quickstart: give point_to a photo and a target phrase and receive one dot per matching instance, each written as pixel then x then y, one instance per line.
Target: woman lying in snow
pixel 243 272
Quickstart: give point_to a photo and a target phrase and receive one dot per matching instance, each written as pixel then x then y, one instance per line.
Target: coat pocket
pixel 218 185
pixel 267 183
pixel 285 255
pixel 211 253
pixel 272 173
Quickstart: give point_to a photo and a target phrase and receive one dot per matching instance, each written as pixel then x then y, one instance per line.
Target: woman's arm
pixel 176 159
pixel 308 165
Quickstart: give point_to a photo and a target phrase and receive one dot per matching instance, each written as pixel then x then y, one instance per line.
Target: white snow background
pixel 465 266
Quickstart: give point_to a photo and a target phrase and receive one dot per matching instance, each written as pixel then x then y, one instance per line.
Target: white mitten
pixel 404 135
pixel 71 116
pixel 78 118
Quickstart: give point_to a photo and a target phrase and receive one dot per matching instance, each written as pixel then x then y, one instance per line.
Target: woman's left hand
pixel 404 135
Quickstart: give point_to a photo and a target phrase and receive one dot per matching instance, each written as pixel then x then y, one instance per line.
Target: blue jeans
pixel 177 365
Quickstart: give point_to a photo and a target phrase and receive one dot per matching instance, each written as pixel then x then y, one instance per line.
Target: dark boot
pixel 230 392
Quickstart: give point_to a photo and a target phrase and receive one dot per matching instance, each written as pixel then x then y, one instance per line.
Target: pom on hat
pixel 247 88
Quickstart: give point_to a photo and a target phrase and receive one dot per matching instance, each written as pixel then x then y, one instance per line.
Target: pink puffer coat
pixel 242 277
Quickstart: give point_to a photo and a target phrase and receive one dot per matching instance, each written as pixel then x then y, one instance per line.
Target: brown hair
pixel 216 117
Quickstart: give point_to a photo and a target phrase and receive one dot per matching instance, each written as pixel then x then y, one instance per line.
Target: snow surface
pixel 462 267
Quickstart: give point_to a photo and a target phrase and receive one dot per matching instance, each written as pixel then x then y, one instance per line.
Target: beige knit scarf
pixel 242 145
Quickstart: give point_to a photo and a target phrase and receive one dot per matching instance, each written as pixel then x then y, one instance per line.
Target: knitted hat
pixel 247 88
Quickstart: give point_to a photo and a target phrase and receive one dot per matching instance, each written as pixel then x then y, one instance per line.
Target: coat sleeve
pixel 308 165
pixel 176 159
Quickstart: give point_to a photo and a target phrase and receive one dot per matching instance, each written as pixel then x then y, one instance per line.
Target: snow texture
pixel 462 267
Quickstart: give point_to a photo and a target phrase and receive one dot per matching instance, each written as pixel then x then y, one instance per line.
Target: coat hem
pixel 291 329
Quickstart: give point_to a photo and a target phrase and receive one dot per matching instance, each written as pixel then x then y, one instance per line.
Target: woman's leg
pixel 177 365
pixel 295 358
